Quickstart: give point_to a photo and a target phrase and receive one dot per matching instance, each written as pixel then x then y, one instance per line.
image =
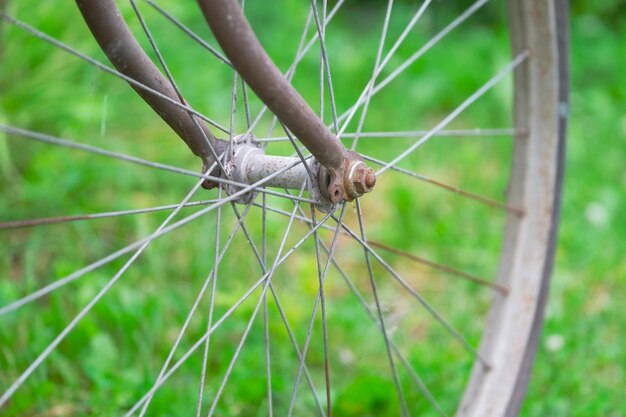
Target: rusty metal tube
pixel 120 46
pixel 240 44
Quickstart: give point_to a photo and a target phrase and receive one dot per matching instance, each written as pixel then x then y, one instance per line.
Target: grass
pixel 112 357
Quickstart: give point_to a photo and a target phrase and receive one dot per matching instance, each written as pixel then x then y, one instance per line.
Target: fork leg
pixel 118 43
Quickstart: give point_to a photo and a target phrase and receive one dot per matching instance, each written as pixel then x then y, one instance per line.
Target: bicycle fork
pixel 336 174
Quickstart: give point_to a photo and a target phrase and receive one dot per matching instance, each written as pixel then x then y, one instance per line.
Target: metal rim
pixel 515 321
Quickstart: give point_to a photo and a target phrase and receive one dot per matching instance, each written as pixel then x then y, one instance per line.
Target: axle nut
pixel 364 180
pixel 360 179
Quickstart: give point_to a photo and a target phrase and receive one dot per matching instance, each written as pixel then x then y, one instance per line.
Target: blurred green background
pixel 112 357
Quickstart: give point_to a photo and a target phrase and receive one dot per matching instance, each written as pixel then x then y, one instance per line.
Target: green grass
pixel 113 356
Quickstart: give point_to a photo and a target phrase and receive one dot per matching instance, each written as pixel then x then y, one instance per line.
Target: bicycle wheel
pixel 424 297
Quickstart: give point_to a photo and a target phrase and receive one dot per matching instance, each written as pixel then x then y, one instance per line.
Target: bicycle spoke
pixel 381 45
pixel 61 336
pixel 314 38
pixel 297 350
pixel 217 324
pixel 237 353
pixel 471 99
pixel 373 316
pixel 315 304
pixel 290 73
pixel 418 259
pixel 442 267
pixel 261 259
pixel 246 103
pixel 132 159
pixel 473 196
pixel 233 110
pixel 83 271
pixel 16 224
pixel 416 379
pixel 243 88
pixel 305 349
pixel 324 65
pixel 189 32
pixel 432 42
pixel 269 275
pixel 366 93
pixel 301 218
pixel 44 221
pixel 195 305
pixel 214 272
pixel 268 367
pixel 263 263
pixel 389 135
pixel 300 155
pixel 455 333
pixel 392 365
pixel 38 34
pixel 207 46
pixel 299 56
pixel 416 17
pixel 321 32
pixel 193 348
pixel 199 342
pixel 170 78
pixel 53 140
pixel 231 152
pixel 322 296
pixel 72 277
